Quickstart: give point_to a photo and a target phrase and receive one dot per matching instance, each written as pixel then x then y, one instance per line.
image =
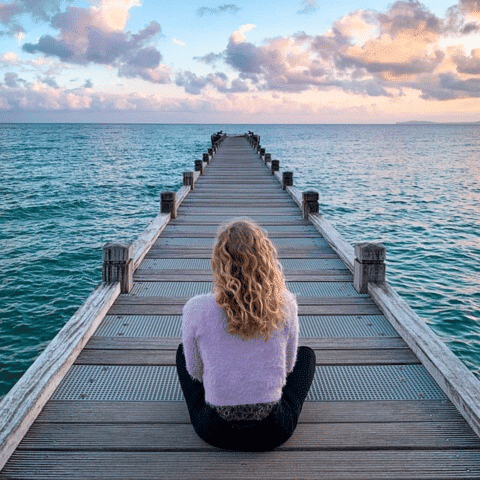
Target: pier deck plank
pixel 357 425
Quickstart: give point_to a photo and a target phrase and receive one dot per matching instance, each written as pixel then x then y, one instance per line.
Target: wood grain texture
pixel 457 382
pixel 25 400
pixel 64 411
pixel 307 436
pixel 144 242
pixel 219 465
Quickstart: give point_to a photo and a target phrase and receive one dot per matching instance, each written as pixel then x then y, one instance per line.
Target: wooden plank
pixel 453 377
pixel 127 299
pixel 199 233
pixel 169 252
pixel 327 343
pixel 25 400
pixel 66 411
pixel 176 309
pixel 317 436
pixel 144 242
pixel 153 276
pixel 277 465
pixel 264 221
pixel 344 250
pixel 323 357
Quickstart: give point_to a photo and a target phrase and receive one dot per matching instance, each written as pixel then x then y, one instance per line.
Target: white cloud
pixel 238 36
pixel 179 42
pixel 9 58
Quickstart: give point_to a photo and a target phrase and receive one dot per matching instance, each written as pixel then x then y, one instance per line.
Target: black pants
pixel 254 436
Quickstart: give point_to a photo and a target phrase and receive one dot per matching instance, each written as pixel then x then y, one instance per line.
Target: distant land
pixel 426 122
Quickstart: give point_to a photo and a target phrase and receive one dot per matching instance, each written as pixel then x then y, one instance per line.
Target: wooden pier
pixel 389 400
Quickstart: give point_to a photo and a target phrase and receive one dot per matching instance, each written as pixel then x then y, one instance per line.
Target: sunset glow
pixel 289 61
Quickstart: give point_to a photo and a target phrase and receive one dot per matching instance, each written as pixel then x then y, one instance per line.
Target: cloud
pixel 309 7
pixel 12 80
pixel 470 7
pixel 95 35
pixel 230 8
pixel 210 58
pixel 8 11
pixel 50 81
pixel 365 52
pixel 469 65
pixel 88 83
pixel 9 58
pixel 238 36
pixel 178 42
pixel 194 84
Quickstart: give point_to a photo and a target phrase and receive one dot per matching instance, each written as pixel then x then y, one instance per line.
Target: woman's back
pixel 237 371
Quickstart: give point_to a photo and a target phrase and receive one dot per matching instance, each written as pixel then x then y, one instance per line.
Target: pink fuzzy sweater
pixel 236 371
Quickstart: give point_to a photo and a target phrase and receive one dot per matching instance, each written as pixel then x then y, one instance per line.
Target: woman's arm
pixel 189 340
pixel 292 340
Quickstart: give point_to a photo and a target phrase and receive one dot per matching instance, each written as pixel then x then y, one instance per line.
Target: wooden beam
pixel 20 407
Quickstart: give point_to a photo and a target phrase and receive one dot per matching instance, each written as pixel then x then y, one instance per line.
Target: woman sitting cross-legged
pixel 243 376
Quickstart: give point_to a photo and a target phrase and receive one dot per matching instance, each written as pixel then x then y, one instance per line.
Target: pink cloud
pixel 8 11
pixel 91 36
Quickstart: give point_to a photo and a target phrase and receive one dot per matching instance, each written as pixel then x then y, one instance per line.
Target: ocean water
pixel 67 189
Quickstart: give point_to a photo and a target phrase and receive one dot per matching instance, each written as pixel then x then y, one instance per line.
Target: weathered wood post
pixel 268 158
pixel 188 179
pixel 118 265
pixel 262 152
pixel 210 152
pixel 167 204
pixel 369 265
pixel 309 203
pixel 287 180
pixel 275 167
pixel 199 166
pixel 206 158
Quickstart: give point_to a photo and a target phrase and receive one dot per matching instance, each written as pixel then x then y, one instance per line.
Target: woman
pixel 242 375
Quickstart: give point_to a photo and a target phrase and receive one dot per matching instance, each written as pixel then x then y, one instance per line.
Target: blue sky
pixel 295 61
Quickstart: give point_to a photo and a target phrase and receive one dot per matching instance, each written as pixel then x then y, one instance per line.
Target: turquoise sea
pixel 66 189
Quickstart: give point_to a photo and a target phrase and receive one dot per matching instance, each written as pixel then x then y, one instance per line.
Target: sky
pixel 205 61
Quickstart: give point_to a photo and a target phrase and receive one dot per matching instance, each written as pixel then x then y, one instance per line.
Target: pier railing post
pixel 168 205
pixel 268 158
pixel 199 166
pixel 309 203
pixel 369 265
pixel 118 265
pixel 275 166
pixel 287 180
pixel 188 179
pixel 206 158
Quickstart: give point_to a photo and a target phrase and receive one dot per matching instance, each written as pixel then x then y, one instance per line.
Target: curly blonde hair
pixel 249 283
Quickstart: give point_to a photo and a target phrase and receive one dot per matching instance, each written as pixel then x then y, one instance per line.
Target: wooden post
pixel 118 265
pixel 199 166
pixel 206 158
pixel 210 152
pixel 259 147
pixel 167 204
pixel 188 179
pixel 369 265
pixel 309 203
pixel 287 180
pixel 275 167
pixel 262 152
pixel 268 158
